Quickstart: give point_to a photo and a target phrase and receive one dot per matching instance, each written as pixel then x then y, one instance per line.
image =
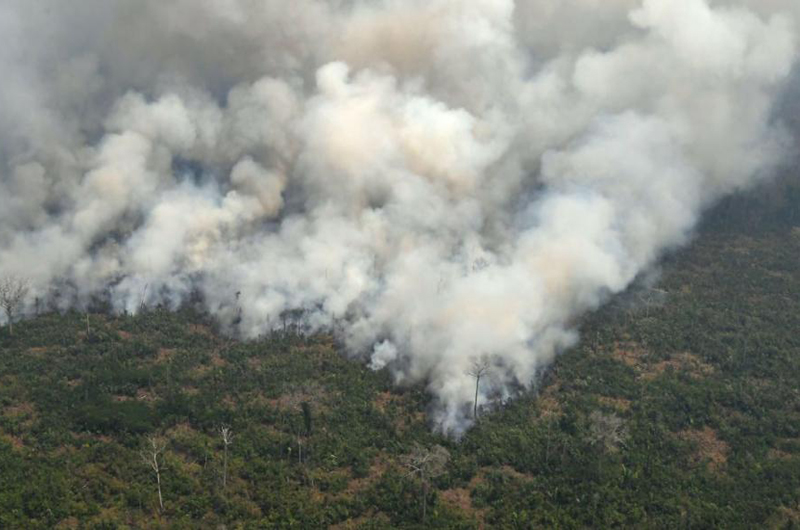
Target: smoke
pixel 438 181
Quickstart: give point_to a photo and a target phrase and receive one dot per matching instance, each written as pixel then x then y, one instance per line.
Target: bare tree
pixel 477 369
pixel 150 455
pixel 651 297
pixel 143 298
pixel 607 431
pixel 426 464
pixel 227 439
pixel 13 291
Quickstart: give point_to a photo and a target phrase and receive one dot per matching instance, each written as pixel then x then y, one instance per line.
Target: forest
pixel 679 408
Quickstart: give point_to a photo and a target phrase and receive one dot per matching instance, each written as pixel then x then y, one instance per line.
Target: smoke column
pixel 435 180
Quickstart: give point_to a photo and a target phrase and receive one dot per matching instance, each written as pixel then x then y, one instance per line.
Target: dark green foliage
pixel 307 422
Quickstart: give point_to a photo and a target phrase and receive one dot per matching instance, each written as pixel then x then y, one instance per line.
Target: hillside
pixel 680 408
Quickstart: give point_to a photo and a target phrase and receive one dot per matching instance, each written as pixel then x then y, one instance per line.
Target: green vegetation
pixel 678 409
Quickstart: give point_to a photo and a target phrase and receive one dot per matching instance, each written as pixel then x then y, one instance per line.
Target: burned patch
pixel 708 447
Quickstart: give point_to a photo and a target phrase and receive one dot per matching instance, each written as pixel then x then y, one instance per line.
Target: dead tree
pixel 651 297
pixel 426 464
pixel 477 369
pixel 607 431
pixel 150 454
pixel 227 439
pixel 144 298
pixel 13 291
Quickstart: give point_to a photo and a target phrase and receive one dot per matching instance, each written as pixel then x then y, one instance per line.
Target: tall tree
pixel 426 464
pixel 13 291
pixel 477 369
pixel 227 439
pixel 150 454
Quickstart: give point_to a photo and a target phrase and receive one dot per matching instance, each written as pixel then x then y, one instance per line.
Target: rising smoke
pixel 437 180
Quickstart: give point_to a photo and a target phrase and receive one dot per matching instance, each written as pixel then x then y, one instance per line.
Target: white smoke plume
pixel 436 180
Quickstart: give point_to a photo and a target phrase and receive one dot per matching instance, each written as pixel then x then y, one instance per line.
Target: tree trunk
pixel 475 405
pixel 424 500
pixel 547 445
pixel 160 499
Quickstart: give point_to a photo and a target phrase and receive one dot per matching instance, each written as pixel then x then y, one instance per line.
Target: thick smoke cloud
pixel 434 180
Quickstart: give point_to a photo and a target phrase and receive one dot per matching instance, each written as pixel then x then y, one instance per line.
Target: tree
pixel 150 455
pixel 305 406
pixel 227 439
pixel 302 397
pixel 477 369
pixel 13 291
pixel 426 464
pixel 143 298
pixel 650 297
pixel 607 431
